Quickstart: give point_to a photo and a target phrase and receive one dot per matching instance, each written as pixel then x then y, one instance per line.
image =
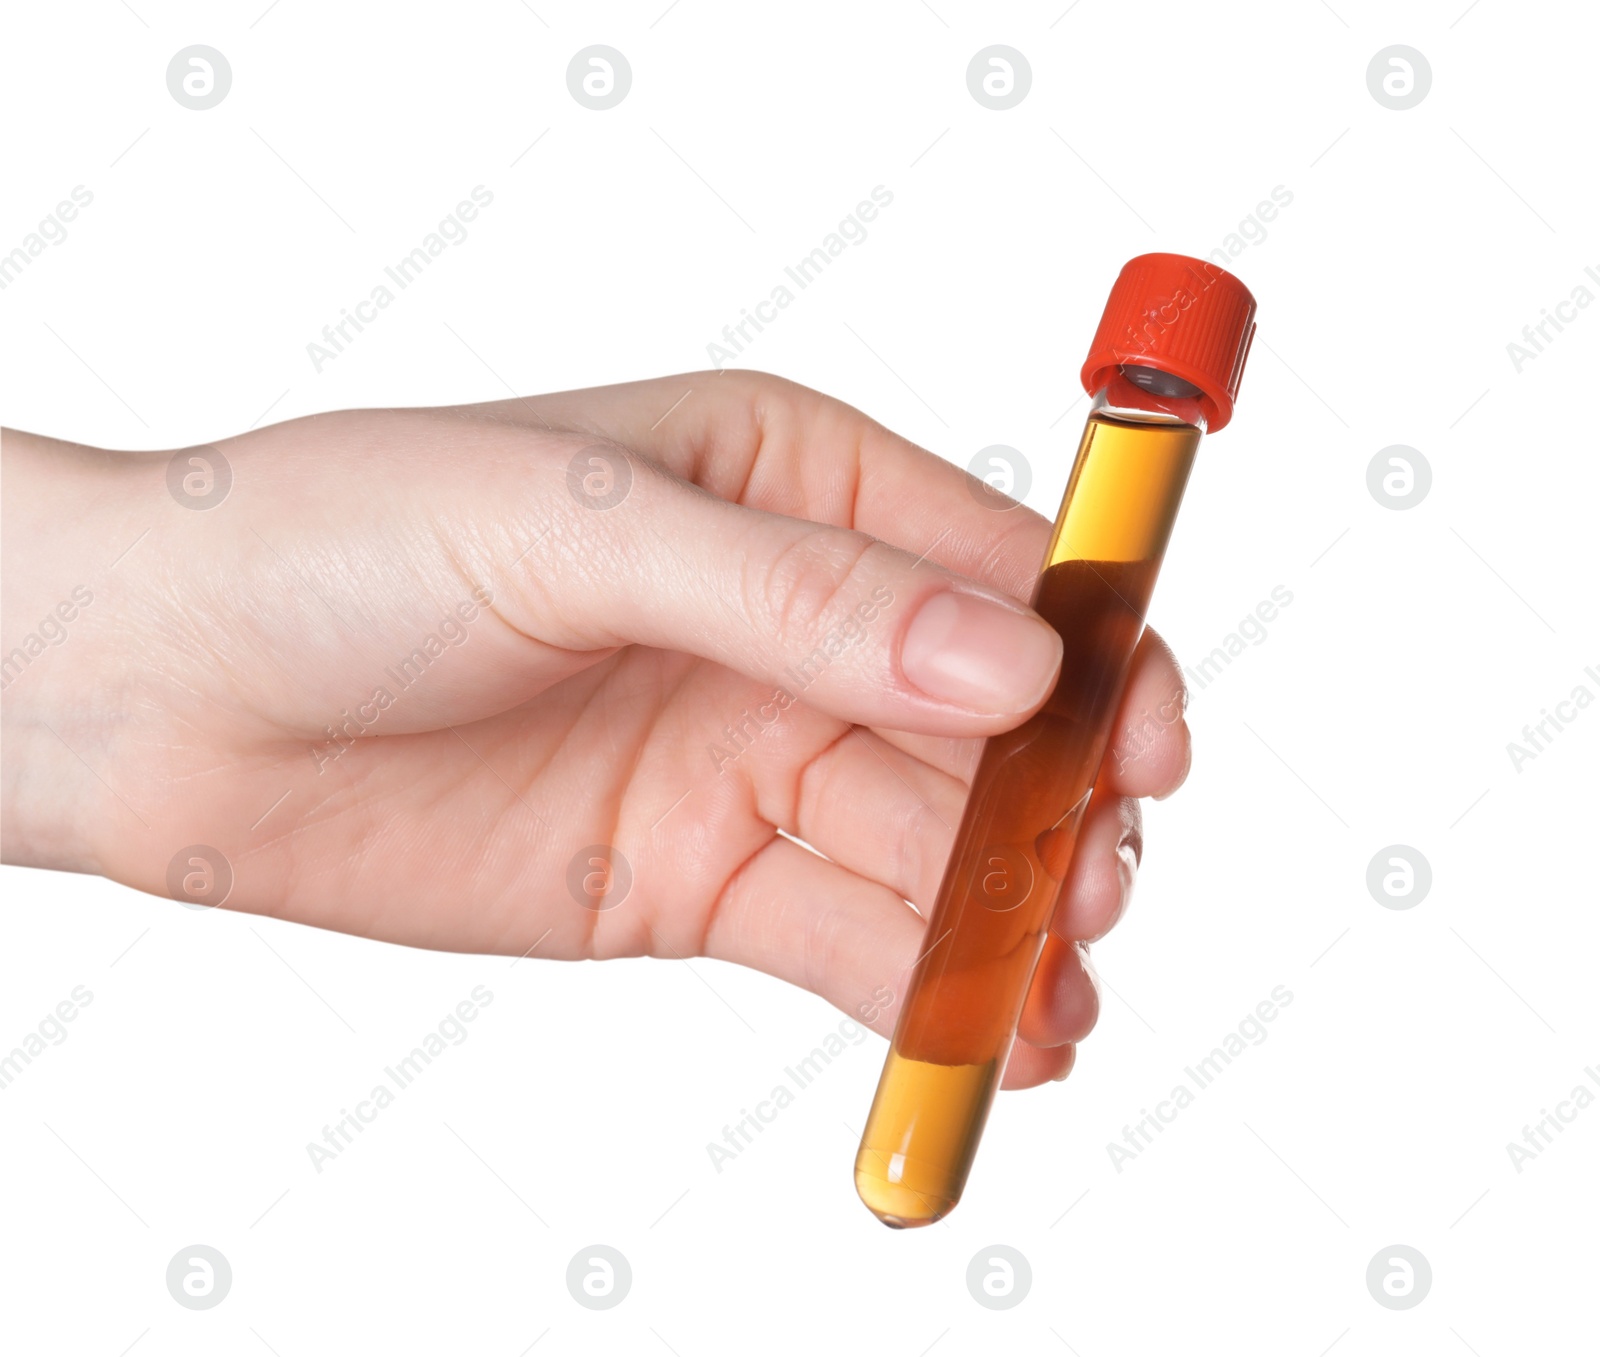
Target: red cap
pixel 1179 315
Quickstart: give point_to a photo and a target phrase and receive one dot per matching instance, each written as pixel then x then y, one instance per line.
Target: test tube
pixel 1163 369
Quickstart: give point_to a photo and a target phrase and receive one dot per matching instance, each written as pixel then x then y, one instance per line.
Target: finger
pixel 955 756
pixel 879 813
pixel 1105 862
pixel 862 630
pixel 892 819
pixel 1149 750
pixel 800 918
pixel 1064 999
pixel 1031 1066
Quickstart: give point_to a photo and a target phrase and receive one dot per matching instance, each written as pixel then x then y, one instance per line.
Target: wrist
pixel 56 725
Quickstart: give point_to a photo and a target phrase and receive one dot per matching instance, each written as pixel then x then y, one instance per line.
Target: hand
pixel 417 661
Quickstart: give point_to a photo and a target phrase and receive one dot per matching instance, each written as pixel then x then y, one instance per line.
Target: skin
pixel 609 648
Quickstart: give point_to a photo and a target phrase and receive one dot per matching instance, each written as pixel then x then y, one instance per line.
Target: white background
pixel 1377 711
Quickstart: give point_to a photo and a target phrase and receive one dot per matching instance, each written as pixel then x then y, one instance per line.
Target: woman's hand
pixel 551 675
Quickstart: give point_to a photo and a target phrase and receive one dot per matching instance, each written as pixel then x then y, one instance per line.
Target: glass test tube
pixel 1164 367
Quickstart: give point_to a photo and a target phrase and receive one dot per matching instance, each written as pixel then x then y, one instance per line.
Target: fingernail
pixel 1132 841
pixel 1128 874
pixel 964 649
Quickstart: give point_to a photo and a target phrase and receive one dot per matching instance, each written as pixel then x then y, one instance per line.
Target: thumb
pixel 858 628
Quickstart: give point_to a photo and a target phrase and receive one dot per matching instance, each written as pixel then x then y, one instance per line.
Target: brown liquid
pixel 1013 852
pixel 1014 846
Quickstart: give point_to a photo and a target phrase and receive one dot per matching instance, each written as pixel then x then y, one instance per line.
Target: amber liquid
pixel 1015 842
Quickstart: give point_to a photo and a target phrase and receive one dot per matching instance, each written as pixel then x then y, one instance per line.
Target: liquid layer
pixel 914 1156
pixel 1015 843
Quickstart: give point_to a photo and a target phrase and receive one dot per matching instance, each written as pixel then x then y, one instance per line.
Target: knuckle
pixel 812 579
pixel 759 383
pixel 1010 560
pixel 921 851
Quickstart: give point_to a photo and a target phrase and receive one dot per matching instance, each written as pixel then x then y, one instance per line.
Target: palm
pixel 481 836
